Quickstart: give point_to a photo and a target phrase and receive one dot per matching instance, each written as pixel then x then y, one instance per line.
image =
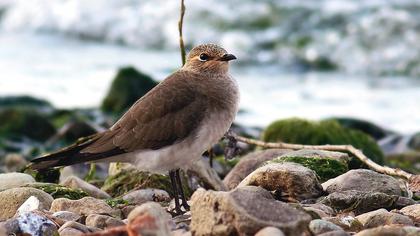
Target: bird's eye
pixel 204 57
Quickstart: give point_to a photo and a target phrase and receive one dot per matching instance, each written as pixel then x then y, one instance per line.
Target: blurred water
pixel 68 51
pixel 73 73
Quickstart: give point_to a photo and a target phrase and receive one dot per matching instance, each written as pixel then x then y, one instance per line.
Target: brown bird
pixel 170 127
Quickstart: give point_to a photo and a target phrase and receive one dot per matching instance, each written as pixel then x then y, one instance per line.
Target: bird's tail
pixel 72 155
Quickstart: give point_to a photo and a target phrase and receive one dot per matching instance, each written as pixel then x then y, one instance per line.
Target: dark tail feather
pixel 72 155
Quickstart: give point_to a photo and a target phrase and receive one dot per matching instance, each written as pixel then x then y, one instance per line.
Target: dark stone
pixel 128 86
pixel 365 126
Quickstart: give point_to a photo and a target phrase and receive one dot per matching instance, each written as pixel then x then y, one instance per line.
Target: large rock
pixel 128 86
pixel 319 209
pixel 102 221
pixel 391 231
pixel 367 181
pixel 365 126
pixel 326 164
pixel 322 226
pixel 71 228
pixel 249 163
pixel 361 202
pixel 13 180
pixel 243 211
pixel 35 224
pixel 14 162
pixel 324 132
pixel 293 181
pixel 141 196
pixel 383 217
pixel 413 212
pixel 84 206
pixel 270 231
pixel 149 219
pixel 12 199
pixel 29 123
pixel 75 182
pixel 346 222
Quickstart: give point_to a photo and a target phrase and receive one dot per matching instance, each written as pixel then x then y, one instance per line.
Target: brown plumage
pixel 171 113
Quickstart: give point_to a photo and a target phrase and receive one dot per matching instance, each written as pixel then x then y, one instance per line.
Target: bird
pixel 170 127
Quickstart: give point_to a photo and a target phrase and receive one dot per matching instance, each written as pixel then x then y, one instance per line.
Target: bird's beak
pixel 227 57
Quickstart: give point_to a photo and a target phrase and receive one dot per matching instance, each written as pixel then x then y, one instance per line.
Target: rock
pixel 13 198
pixel 383 217
pixel 294 181
pixel 148 219
pixel 320 209
pixel 414 186
pixel 84 206
pixel 14 162
pixel 326 164
pixel 322 226
pixel 75 182
pixel 391 231
pixel 130 179
pixel 128 86
pixel 75 129
pixel 18 122
pixel 141 196
pixel 367 181
pixel 414 142
pixel 13 180
pixel 207 176
pixel 76 228
pixel 36 225
pixel 301 131
pixel 31 204
pixel 243 211
pixel 248 164
pixel 23 101
pixel 9 227
pixel 270 231
pixel 102 221
pixel 58 191
pixel 359 202
pixel 66 216
pixel 365 126
pixel 413 212
pixel 335 233
pixel 347 223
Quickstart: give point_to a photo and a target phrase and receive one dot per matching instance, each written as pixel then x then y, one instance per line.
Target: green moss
pixel 128 86
pixel 129 179
pixel 58 191
pixel 113 202
pixel 302 131
pixel 18 122
pixel 325 168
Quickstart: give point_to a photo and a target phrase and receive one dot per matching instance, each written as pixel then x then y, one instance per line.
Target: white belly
pixel 183 154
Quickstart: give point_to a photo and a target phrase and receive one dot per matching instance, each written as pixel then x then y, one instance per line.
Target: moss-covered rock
pixel 128 86
pixel 23 101
pixel 18 122
pixel 58 191
pixel 408 161
pixel 300 131
pixel 113 202
pixel 323 163
pixel 51 175
pixel 365 126
pixel 129 179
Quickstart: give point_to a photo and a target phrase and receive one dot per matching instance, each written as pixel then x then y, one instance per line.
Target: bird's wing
pixel 166 115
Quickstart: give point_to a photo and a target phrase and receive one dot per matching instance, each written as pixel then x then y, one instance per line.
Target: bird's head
pixel 209 58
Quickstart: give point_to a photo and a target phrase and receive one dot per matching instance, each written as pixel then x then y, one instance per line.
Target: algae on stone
pixel 113 202
pixel 128 86
pixel 130 179
pixel 302 131
pixel 18 122
pixel 325 168
pixel 58 191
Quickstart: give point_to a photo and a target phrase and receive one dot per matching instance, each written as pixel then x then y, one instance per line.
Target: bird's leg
pixel 181 191
pixel 172 176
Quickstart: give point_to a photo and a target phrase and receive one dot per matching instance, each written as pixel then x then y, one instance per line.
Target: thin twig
pixel 343 148
pixel 180 24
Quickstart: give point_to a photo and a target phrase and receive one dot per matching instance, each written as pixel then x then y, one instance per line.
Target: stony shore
pixel 260 192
